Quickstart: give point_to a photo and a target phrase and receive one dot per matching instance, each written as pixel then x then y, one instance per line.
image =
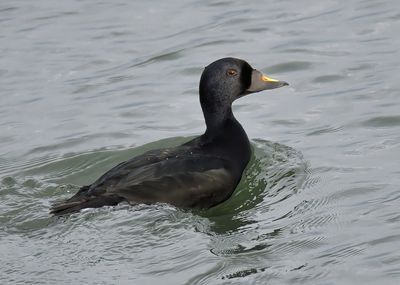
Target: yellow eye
pixel 231 72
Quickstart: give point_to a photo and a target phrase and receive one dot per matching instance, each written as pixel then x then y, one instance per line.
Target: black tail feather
pixel 81 201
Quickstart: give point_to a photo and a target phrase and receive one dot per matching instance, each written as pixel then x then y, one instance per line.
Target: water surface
pixel 87 84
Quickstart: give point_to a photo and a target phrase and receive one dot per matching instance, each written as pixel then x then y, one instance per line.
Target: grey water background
pixel 87 84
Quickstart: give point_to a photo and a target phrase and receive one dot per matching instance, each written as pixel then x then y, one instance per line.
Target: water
pixel 84 84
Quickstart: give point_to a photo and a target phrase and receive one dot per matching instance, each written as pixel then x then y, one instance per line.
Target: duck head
pixel 228 79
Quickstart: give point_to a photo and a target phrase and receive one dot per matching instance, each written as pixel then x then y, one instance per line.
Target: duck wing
pixel 178 176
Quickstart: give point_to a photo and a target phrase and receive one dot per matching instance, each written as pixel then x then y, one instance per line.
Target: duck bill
pixel 260 82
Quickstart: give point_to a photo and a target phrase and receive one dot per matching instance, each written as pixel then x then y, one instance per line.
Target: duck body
pixel 198 174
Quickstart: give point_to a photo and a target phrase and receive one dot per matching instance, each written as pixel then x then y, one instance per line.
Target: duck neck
pixel 216 112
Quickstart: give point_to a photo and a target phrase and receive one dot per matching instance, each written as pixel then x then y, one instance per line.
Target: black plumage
pixel 198 174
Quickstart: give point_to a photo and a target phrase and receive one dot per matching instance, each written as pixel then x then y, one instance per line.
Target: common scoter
pixel 198 174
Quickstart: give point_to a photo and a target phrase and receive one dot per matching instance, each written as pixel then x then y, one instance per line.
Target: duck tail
pixel 81 201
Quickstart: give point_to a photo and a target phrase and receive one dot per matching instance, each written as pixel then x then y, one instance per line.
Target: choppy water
pixel 85 83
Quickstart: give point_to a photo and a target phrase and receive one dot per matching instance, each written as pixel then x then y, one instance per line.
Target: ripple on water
pixel 244 228
pixel 289 66
pixel 260 222
pixel 382 122
pixel 328 78
pixel 325 130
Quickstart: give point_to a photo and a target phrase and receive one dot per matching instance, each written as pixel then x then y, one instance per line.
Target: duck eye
pixel 231 72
